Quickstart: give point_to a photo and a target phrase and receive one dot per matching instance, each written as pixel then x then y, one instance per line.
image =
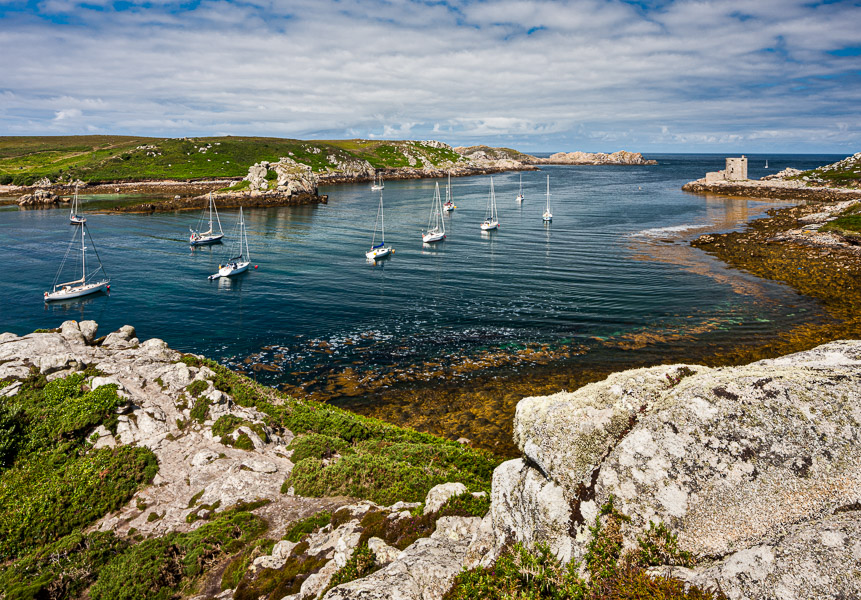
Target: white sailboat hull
pixel 205 239
pixel 231 269
pixel 547 216
pixel 433 236
pixel 488 225
pixel 378 253
pixel 448 207
pixel 76 291
pixel 77 220
pixel 377 188
pixel 519 198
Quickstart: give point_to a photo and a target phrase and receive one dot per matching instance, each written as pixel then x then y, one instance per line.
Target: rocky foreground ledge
pixel 755 469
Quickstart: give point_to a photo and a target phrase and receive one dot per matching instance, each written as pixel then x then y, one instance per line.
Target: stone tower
pixel 736 168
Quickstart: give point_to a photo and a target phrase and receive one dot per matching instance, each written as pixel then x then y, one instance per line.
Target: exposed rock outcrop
pixel 745 463
pixel 40 197
pixel 621 157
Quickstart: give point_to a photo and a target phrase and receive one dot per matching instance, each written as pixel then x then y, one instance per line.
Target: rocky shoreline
pixel 748 476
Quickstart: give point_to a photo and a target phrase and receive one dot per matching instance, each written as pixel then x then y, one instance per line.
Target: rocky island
pixel 130 470
pixel 621 157
pixel 177 174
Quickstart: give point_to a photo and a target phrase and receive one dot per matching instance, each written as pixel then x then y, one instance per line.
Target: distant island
pixel 244 171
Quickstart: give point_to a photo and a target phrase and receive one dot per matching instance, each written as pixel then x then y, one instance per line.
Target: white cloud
pixel 578 75
pixel 67 113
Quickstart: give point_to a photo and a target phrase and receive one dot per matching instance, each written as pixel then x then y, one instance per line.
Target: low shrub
pixel 62 569
pixel 308 525
pixel 52 494
pixel 157 568
pixel 316 445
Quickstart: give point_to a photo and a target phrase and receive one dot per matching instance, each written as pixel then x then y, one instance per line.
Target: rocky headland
pixel 621 157
pixel 132 470
pixel 830 183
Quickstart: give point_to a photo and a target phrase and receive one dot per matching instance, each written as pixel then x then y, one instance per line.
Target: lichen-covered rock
pixel 425 570
pixel 439 495
pixel 527 507
pixel 730 458
pixel 820 559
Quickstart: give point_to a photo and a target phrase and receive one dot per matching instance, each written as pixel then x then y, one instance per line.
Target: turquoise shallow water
pixel 613 265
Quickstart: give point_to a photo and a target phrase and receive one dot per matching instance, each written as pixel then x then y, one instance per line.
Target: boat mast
pixel 83 256
pixel 382 217
pixel 548 194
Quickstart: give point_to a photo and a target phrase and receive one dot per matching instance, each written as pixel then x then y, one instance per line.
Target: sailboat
pixel 766 163
pixel 88 283
pixel 74 217
pixel 377 186
pixel 548 216
pixel 238 260
pixel 491 219
pixel 520 197
pixel 199 238
pixel 379 250
pixel 449 199
pixel 436 225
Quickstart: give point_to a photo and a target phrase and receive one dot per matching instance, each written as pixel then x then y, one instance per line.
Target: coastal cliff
pixel 131 470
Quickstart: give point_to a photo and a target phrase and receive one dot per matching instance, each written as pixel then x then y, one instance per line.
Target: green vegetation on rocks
pixel 379 461
pixel 159 568
pixel 308 525
pixel 52 483
pixel 535 573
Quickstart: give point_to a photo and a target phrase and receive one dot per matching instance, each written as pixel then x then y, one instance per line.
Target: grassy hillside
pixel 24 160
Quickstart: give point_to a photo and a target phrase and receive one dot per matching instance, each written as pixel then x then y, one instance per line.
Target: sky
pixel 755 76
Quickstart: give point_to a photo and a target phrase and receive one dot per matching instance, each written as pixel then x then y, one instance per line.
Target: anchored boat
pixel 491 219
pixel 380 250
pixel 436 225
pixel 238 259
pixel 89 283
pixel 200 238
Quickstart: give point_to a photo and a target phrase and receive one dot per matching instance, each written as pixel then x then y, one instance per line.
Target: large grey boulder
pixel 820 559
pixel 732 459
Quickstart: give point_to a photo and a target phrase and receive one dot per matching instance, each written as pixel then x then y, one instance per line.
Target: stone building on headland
pixel 736 170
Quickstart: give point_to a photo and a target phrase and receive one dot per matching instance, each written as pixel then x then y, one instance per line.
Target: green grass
pixel 847 223
pixel 96 159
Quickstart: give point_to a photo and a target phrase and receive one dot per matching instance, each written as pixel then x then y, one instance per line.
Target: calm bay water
pixel 612 270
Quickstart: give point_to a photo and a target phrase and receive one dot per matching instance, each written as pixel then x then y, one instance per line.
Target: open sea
pixel 611 279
